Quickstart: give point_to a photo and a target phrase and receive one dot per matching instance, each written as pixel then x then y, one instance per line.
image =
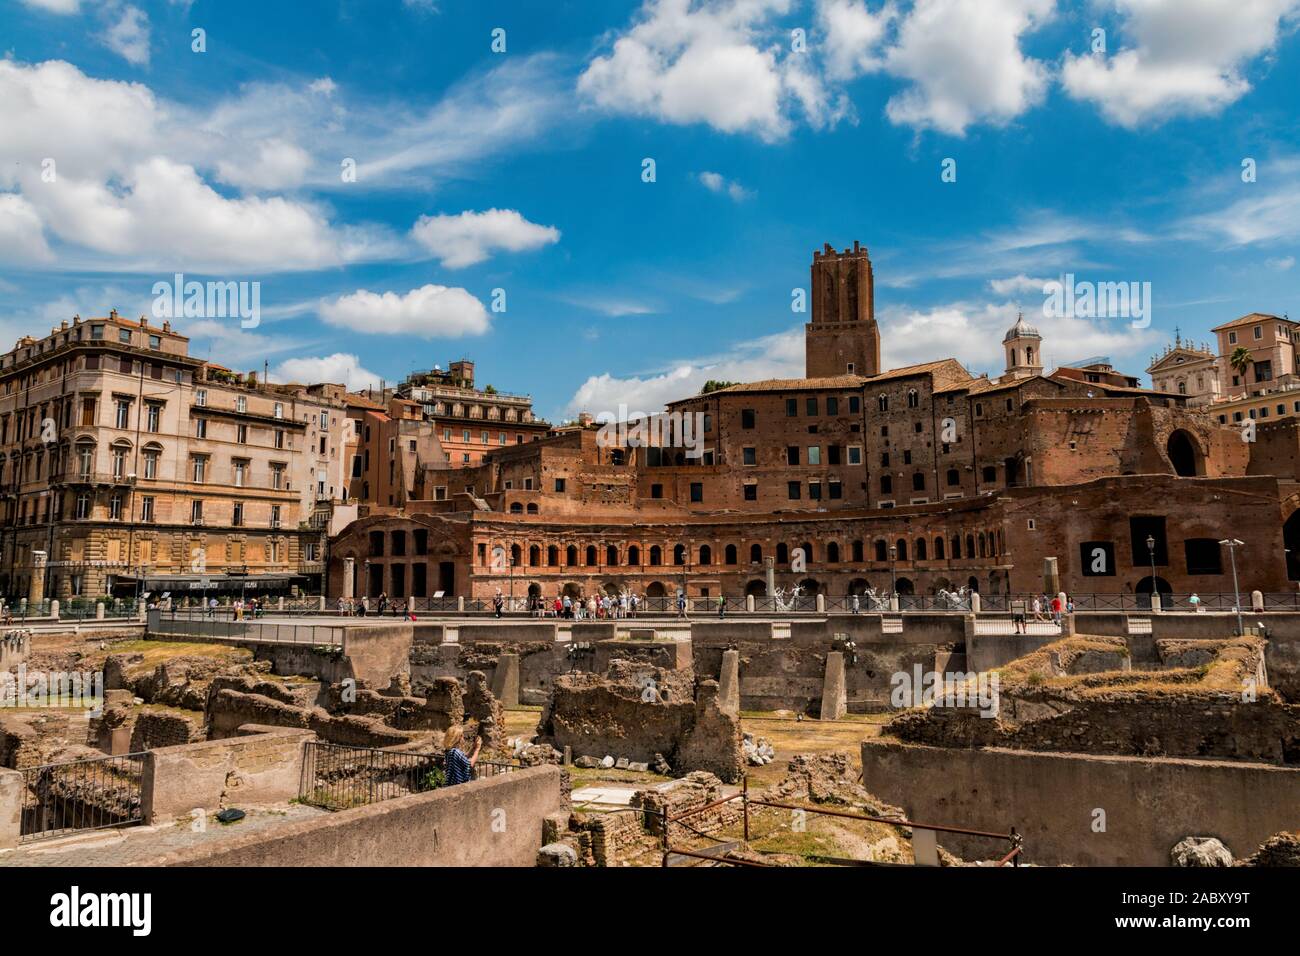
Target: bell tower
pixel 842 338
pixel 1024 349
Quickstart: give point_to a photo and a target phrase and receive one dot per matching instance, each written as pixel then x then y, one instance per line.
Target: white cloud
pixel 717 183
pixel 971 332
pixel 54 6
pixel 108 138
pixel 611 305
pixel 166 213
pixel 965 63
pixel 471 237
pixel 1186 57
pixel 431 311
pixel 276 164
pixel 852 36
pixel 514 103
pixel 125 194
pixel 773 356
pixel 21 235
pixel 1281 264
pixel 1017 283
pixel 128 33
pixel 1268 211
pixel 725 64
pixel 226 343
pixel 342 368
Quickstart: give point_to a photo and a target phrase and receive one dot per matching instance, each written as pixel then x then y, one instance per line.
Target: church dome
pixel 1021 330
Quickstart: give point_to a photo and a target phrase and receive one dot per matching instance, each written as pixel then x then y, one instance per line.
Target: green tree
pixel 1240 360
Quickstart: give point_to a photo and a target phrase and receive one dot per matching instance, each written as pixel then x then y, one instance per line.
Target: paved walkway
pixel 127 845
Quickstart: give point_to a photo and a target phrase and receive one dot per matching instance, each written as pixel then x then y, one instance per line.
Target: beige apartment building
pixel 129 465
pixel 470 421
pixel 1267 387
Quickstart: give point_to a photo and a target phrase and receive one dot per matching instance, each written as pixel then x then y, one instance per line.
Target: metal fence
pixel 662 605
pixel 201 624
pixel 93 794
pixel 15 612
pixel 338 776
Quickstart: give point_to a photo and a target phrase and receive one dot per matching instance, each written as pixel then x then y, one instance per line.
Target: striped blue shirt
pixel 458 767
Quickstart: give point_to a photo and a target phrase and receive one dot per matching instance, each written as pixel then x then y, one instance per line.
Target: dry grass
pixel 1230 670
pixel 160 652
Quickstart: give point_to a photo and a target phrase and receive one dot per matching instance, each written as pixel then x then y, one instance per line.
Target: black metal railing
pixel 339 776
pixel 93 794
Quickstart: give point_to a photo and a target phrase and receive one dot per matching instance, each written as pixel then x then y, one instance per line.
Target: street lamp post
pixel 893 574
pixel 511 564
pixel 1233 544
pixel 1151 551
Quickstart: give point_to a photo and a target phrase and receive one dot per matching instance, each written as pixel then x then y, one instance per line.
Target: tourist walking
pixel 857 605
pixel 498 602
pixel 722 606
pixel 681 603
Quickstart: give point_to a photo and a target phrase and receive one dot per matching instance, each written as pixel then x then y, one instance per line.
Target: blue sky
pixel 522 171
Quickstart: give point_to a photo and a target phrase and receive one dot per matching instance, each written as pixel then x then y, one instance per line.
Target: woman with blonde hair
pixel 457 767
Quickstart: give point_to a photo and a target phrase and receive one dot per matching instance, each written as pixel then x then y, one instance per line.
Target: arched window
pixel 611 555
pixel 729 555
pixel 832 553
pixel 679 554
pixel 1029 355
pixel 516 508
pixel 516 555
pixel 591 555
pixel 532 507
pixel 808 553
pixel 901 545
pixel 954 477
pixel 552 556
pixel 981 544
pixel 571 555
pixel 706 554
pixel 534 556
pixel 857 552
pixel 882 550
pixel 782 553
pixel 883 402
pixel 634 556
pixel 913 400
pixel 956 546
pixel 920 549
pixel 656 556
pixel 918 481
pixel 756 553
pixel 938 549
pixel 970 545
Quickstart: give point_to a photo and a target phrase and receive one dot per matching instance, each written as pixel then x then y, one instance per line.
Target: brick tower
pixel 842 338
